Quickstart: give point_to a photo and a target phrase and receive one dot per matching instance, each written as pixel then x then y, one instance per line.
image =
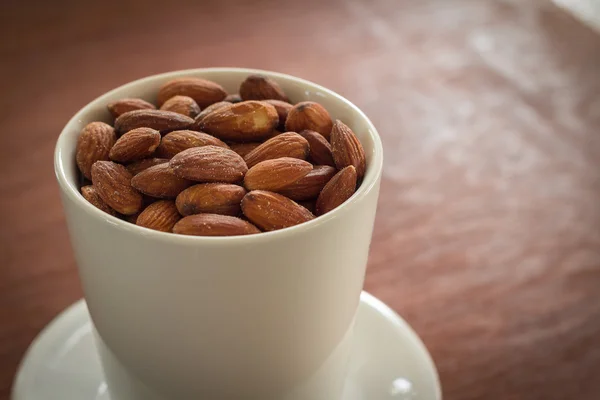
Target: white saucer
pixel 389 361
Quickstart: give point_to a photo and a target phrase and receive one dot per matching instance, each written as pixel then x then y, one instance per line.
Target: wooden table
pixel 488 232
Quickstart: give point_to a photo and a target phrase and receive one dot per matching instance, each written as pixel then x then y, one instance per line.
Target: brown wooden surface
pixel 488 232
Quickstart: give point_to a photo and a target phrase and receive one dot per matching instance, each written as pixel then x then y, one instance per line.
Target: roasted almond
pixel 122 106
pixel 183 105
pixel 244 148
pixel 337 190
pixel 347 149
pixel 90 193
pixel 177 141
pixel 161 216
pixel 270 211
pixel 113 184
pixel 283 109
pixel 93 144
pixel 141 165
pixel 208 110
pixel 203 92
pixel 211 198
pixel 311 116
pixel 209 164
pixel 287 144
pixel 320 149
pixel 309 186
pixel 248 121
pixel 274 175
pixel 233 98
pixel 310 205
pixel 214 225
pixel 160 181
pixel 134 145
pixel 260 87
pixel 160 120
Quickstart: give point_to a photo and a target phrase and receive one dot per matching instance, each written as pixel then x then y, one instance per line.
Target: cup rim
pixel 370 180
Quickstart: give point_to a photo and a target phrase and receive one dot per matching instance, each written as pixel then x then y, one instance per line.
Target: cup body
pixel 265 316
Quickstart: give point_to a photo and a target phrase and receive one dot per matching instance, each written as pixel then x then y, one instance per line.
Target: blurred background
pixel 487 238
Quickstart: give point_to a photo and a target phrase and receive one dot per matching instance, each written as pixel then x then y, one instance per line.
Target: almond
pixel 244 148
pixel 214 225
pixel 287 144
pixel 233 98
pixel 113 184
pixel 270 211
pixel 208 110
pixel 203 92
pixel 274 175
pixel 160 181
pixel 177 141
pixel 247 121
pixel 337 190
pixel 160 216
pixel 93 144
pixel 346 149
pixel 134 145
pixel 212 198
pixel 90 193
pixel 309 186
pixel 122 106
pixel 309 115
pixel 160 120
pixel 283 109
pixel 183 105
pixel 141 165
pixel 132 218
pixel 260 87
pixel 320 149
pixel 310 205
pixel 209 164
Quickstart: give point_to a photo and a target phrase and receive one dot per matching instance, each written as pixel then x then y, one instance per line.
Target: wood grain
pixel 487 238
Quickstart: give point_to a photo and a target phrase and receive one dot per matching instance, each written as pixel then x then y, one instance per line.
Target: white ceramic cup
pixel 265 316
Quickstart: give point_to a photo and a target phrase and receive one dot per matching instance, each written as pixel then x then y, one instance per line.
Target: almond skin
pixel 311 116
pixel 287 144
pixel 214 225
pixel 160 120
pixel 337 190
pixel 244 148
pixel 209 164
pixel 211 198
pixel 260 87
pixel 113 184
pixel 203 92
pixel 248 121
pixel 233 98
pixel 160 181
pixel 309 186
pixel 310 205
pixel 161 216
pixel 206 111
pixel 90 193
pixel 122 106
pixel 274 175
pixel 134 145
pixel 93 144
pixel 178 141
pixel 347 149
pixel 271 211
pixel 320 149
pixel 141 165
pixel 183 105
pixel 283 110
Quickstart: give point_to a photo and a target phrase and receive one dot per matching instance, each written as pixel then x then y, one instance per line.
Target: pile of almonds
pixel 211 164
